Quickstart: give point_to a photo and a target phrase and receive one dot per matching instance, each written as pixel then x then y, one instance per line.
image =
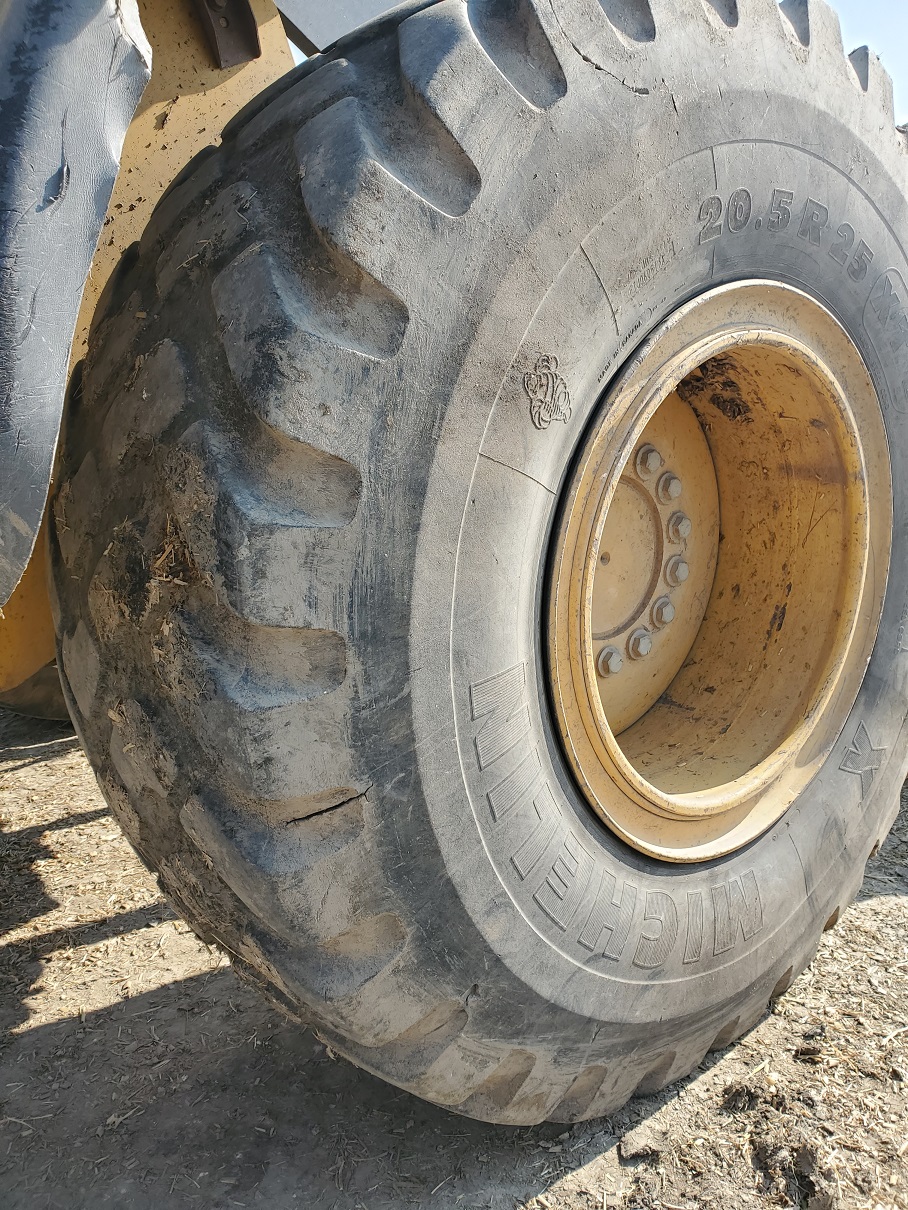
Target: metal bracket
pixel 231 30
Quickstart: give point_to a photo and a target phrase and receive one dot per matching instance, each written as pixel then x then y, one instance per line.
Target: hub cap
pixel 719 571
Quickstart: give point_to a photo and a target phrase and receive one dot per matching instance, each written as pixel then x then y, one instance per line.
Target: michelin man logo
pixel 549 396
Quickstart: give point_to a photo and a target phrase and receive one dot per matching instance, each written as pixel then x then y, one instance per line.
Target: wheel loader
pixel 460 482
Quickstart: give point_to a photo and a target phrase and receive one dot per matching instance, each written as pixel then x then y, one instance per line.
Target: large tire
pixel 303 511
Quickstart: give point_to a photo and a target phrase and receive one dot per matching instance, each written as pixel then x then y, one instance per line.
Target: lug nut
pixel 609 661
pixel 679 527
pixel 648 461
pixel 668 488
pixel 663 612
pixel 676 570
pixel 639 644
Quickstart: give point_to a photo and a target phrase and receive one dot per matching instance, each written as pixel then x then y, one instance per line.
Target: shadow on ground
pixel 242 1110
pixel 198 1094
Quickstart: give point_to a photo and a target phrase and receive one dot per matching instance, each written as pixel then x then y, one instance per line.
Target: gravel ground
pixel 136 1071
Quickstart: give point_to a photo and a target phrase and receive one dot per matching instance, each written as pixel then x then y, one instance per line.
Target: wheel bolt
pixel 668 488
pixel 609 661
pixel 648 461
pixel 663 612
pixel 639 644
pixel 676 570
pixel 679 527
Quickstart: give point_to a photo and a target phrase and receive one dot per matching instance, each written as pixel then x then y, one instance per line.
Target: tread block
pixel 391 1001
pixel 260 668
pixel 261 303
pixel 816 25
pixel 418 1045
pixel 75 503
pixel 407 1031
pixel 450 71
pixel 152 397
pixel 306 882
pixel 113 338
pixel 315 886
pixel 405 136
pixel 536 1096
pixel 657 1076
pixel 672 18
pixel 874 80
pixel 512 35
pixel 143 763
pixel 122 809
pixel 295 104
pixel 493 1099
pixel 79 651
pixel 763 13
pixel 233 215
pixel 752 1014
pixel 266 737
pixel 344 966
pixel 459 1071
pixel 269 478
pixel 273 563
pixel 300 343
pixel 726 1035
pixel 279 575
pixel 359 207
pixel 120 281
pixel 200 175
pixel 575 1104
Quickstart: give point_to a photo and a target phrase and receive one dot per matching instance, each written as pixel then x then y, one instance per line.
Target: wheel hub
pixel 658 551
pixel 714 600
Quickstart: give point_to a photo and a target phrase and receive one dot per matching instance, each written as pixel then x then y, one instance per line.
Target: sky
pixel 883 26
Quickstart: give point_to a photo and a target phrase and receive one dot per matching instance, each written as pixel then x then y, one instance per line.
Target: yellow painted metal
pixel 185 104
pixel 184 107
pixel 751 413
pixel 657 559
pixel 26 625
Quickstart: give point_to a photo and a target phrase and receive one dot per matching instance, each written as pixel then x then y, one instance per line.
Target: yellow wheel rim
pixel 719 571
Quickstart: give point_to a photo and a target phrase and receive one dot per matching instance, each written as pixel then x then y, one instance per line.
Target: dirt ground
pixel 137 1072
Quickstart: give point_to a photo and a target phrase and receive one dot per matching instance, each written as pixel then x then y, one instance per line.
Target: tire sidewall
pixel 530 869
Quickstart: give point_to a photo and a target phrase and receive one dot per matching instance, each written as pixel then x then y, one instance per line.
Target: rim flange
pixel 647 811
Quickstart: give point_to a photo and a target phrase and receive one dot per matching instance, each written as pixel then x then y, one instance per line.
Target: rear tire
pixel 41 696
pixel 304 515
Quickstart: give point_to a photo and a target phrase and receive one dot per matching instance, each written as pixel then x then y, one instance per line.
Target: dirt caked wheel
pixel 473 543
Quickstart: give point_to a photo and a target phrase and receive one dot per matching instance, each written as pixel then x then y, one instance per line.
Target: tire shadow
pixel 199 1094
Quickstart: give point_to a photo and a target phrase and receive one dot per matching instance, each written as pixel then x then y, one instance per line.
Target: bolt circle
pixel 679 527
pixel 668 488
pixel 640 644
pixel 663 612
pixel 676 570
pixel 609 662
pixel 647 461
